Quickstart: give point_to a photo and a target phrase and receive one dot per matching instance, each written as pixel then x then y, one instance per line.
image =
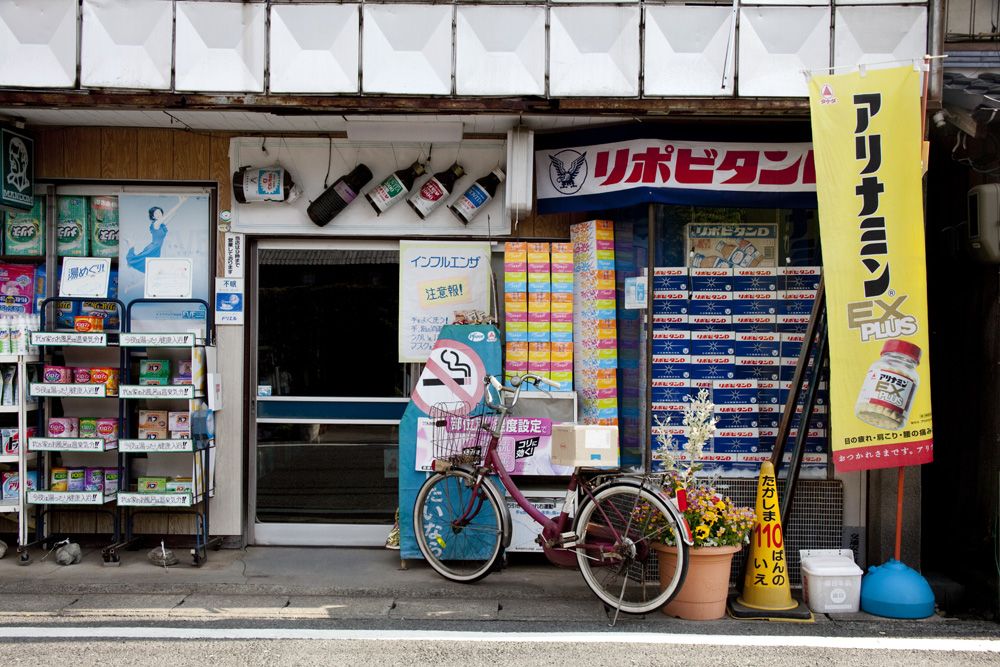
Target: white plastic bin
pixel 831 581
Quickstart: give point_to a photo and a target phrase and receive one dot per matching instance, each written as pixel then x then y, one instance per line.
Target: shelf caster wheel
pixel 24 559
pixel 112 560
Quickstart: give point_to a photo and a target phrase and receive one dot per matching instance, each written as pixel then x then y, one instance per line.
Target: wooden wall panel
pixel 82 152
pixel 119 158
pixel 191 156
pixel 49 154
pixel 155 154
pixel 220 172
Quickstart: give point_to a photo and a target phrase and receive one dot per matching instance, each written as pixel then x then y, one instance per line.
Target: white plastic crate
pixel 831 581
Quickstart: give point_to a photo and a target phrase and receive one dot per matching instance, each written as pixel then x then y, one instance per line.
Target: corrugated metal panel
pixel 594 51
pixel 220 46
pixel 330 257
pixel 776 44
pixel 126 44
pixel 685 50
pixel 406 49
pixel 38 43
pixel 500 50
pixel 314 48
pixel 877 34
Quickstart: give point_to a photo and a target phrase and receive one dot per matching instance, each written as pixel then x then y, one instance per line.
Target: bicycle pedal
pixel 568 540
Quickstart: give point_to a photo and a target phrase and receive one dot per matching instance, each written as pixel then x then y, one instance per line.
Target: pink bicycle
pixel 607 523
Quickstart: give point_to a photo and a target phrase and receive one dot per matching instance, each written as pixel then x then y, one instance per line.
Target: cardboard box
pixel 153 484
pixel 154 368
pixel 72 230
pixel 155 419
pixel 152 434
pixel 179 421
pixel 586 445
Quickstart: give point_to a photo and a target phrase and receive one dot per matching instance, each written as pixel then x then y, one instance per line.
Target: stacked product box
pixel 515 309
pixel 595 339
pixel 561 367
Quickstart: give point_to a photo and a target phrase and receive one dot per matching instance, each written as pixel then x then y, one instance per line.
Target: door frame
pixel 298 534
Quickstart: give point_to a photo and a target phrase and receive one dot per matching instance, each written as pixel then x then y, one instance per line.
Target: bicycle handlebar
pixel 517 383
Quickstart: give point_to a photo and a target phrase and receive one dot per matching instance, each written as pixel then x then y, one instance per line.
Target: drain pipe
pixel 938 17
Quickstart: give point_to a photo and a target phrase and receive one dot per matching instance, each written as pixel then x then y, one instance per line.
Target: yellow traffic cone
pixel 766 591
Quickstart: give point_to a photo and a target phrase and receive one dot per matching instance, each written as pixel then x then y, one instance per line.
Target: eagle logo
pixel 568 171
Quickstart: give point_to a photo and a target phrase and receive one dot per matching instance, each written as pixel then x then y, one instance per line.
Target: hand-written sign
pixel 68 497
pixel 143 445
pixel 156 391
pixel 85 276
pixel 53 389
pixel 157 340
pixel 66 445
pixel 77 339
pixel 154 499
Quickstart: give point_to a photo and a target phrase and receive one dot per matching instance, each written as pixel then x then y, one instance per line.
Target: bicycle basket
pixel 461 435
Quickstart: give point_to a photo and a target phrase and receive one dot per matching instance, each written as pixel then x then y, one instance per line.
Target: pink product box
pixel 562 267
pixel 534 316
pixel 107 429
pixel 516 317
pixel 515 267
pixel 64 427
pixel 81 375
pixel 517 366
pixel 57 374
pixel 538 267
pixel 561 366
pixel 562 317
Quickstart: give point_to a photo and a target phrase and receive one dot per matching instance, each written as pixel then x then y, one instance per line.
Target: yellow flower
pixel 701 532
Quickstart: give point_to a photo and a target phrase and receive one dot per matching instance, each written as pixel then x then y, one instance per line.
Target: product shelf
pixel 14 409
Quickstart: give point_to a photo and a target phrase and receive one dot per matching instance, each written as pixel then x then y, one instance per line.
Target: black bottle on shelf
pixel 433 193
pixel 336 197
pixel 394 188
pixel 477 196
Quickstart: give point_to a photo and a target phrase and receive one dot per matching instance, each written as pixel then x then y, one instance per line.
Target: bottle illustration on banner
pixel 158 231
pixel 890 386
pixel 336 197
pixel 433 193
pixel 477 196
pixel 394 188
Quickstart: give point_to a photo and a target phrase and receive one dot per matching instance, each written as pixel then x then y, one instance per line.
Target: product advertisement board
pixel 867 135
pixel 711 245
pixel 436 280
pixel 17 169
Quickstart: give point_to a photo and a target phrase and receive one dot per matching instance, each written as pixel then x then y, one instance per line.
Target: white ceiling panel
pixel 126 44
pixel 879 33
pixel 500 50
pixel 38 43
pixel 220 47
pixel 406 49
pixel 594 51
pixel 314 48
pixel 685 50
pixel 776 44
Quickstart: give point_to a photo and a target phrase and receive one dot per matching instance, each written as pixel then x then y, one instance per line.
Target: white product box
pixel 831 581
pixel 585 445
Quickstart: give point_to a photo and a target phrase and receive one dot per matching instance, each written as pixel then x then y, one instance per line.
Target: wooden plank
pixel 191 156
pixel 155 154
pixel 222 174
pixel 49 154
pixel 82 152
pixel 119 157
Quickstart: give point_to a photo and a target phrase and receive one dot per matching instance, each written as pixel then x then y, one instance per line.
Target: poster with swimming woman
pixel 163 227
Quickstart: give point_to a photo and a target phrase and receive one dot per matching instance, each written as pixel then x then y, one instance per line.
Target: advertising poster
pixel 866 133
pixel 436 280
pixel 163 227
pixel 711 245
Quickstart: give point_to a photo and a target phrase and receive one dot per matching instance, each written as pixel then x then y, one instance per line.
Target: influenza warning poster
pixel 866 134
pixel 436 280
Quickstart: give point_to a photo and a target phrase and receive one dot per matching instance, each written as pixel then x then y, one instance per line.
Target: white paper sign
pixel 168 278
pixel 234 255
pixel 85 277
pixel 229 300
pixel 635 293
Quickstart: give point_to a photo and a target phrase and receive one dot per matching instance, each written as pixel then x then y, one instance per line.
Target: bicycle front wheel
pixel 458 524
pixel 614 534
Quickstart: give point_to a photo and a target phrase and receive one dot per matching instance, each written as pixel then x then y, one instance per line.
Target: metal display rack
pixel 46 500
pixel 200 445
pixel 20 459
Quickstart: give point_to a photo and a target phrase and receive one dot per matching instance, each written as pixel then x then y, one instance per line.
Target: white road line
pixel 883 643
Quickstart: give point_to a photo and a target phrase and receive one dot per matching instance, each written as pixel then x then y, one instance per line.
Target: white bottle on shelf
pixel 16 336
pixel 5 335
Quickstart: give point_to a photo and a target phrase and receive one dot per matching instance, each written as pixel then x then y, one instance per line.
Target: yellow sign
pixel 444 291
pixel 867 144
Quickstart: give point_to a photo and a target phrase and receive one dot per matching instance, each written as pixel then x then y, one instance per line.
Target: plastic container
pixel 831 581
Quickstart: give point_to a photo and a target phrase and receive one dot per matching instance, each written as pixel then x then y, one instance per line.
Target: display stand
pixel 20 459
pixel 197 450
pixel 75 399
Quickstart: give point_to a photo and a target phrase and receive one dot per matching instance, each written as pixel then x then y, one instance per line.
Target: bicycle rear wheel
pixel 614 533
pixel 458 525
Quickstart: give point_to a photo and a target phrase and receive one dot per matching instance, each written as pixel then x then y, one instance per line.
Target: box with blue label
pixel 816 441
pixel 767 437
pixel 717 279
pixel 671 367
pixel 791 344
pixel 754 279
pixel 735 440
pixel 785 387
pixel 671 342
pixel 793 323
pixel 711 303
pixel 713 342
pixel 767 392
pixel 757 368
pixel 736 416
pixel 799 277
pixel 734 392
pixel 755 323
pixel 710 322
pixel 796 303
pixel 670 278
pixel 788 366
pixel 755 303
pixel 668 413
pixel 768 416
pixel 712 367
pixel 674 434
pixel 670 391
pixel 762 344
pixel 670 303
pixel 671 323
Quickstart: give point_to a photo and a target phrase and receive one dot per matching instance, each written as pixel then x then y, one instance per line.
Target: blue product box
pixel 799 277
pixel 671 342
pixel 670 306
pixel 763 344
pixel 713 342
pixel 515 286
pixel 734 392
pixel 671 367
pixel 768 416
pixel 791 344
pixel 719 279
pixel 755 279
pixel 671 323
pixel 711 303
pixel 796 303
pixel 516 336
pixel 668 414
pixel 735 441
pixel 710 322
pixel 755 303
pixel 816 440
pixel 670 278
pixel 755 323
pixel 670 391
pixel 677 435
pixel 785 387
pixel 767 438
pixel 817 421
pixel 539 288
pixel 757 368
pixel 556 336
pixel 736 416
pixel 793 323
pixel 562 288
pixel 767 392
pixel 712 367
pixel 788 366
pixel 750 462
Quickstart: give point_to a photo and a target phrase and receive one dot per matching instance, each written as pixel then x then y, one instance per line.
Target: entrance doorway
pixel 329 393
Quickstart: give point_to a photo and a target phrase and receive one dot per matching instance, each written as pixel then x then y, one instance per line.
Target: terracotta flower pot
pixel 703 595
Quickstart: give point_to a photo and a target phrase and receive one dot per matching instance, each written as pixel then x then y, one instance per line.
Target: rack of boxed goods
pixel 169 451
pixel 18 469
pixel 78 464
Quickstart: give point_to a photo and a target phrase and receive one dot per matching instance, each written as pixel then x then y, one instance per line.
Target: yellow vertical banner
pixel 867 144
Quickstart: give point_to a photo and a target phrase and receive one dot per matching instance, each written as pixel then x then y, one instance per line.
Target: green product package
pixel 103 219
pixel 72 229
pixel 24 233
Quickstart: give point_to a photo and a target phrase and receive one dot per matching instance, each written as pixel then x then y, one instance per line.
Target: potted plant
pixel 720 528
